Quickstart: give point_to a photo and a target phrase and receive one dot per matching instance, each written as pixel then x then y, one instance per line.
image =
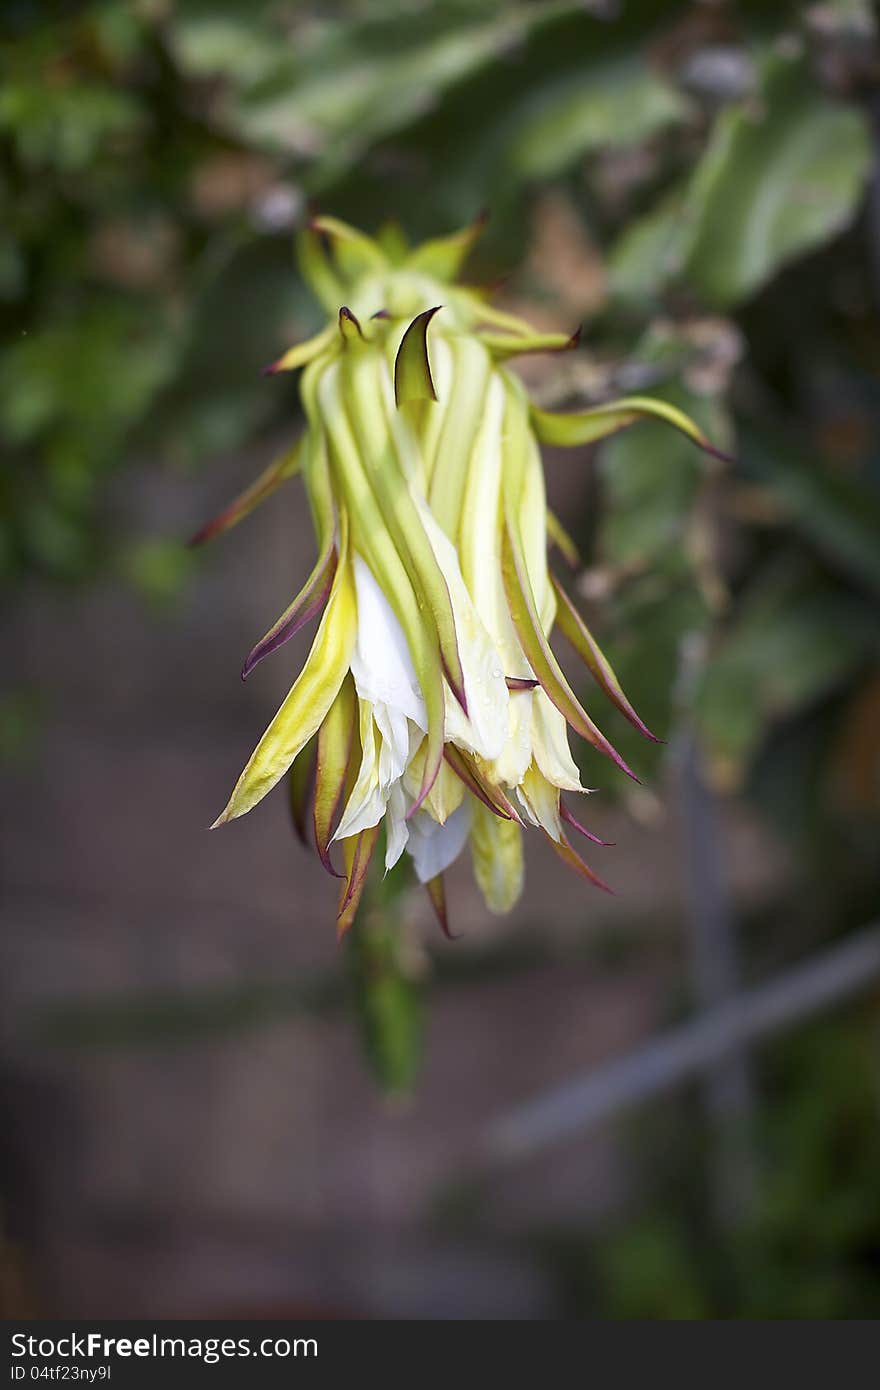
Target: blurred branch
pixel 714 952
pixel 685 1052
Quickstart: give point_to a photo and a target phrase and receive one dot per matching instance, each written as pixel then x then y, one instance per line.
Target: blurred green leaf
pixel 651 250
pixel 652 474
pixel 347 82
pixel 782 172
pixel 792 641
pixel 839 513
pixel 64 127
pixel 605 104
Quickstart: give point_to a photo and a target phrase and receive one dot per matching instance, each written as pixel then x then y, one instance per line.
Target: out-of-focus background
pixel 663 1104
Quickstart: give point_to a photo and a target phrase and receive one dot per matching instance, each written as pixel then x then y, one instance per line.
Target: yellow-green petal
pixel 586 426
pixel 335 740
pixel 505 345
pixel 303 711
pixel 537 649
pixel 497 856
pixel 443 257
pixel 301 353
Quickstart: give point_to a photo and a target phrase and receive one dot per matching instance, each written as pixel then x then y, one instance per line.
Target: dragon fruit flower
pixel 431 701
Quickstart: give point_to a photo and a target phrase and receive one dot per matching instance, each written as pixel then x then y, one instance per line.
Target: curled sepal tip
pixel 412 368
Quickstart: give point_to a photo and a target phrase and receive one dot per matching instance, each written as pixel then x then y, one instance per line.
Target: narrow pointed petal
pixel 585 426
pixel 489 793
pixel 506 345
pixel 497 857
pixel 412 367
pixel 335 740
pixel 308 603
pixel 436 891
pixel 313 595
pixel 557 534
pixel 571 857
pixel 359 852
pixel 393 241
pixel 354 252
pixel 287 466
pixel 487 313
pixel 301 353
pixel 318 273
pixel 521 683
pixel 300 782
pixel 443 257
pixel 305 708
pixel 569 819
pixel 575 629
pixel 538 651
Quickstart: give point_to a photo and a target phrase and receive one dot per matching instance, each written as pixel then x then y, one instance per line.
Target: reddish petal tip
pixel 199 537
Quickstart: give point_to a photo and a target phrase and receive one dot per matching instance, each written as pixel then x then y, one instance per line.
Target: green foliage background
pixel 155 158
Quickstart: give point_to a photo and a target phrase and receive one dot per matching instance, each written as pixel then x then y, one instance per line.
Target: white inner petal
pixel 381 664
pixel 484 729
pixel 550 744
pixel 433 847
pixel 396 828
